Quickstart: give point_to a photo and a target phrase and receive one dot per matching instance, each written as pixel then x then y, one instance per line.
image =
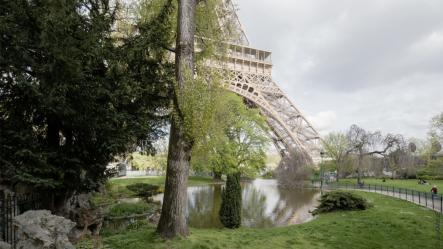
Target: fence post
pixel 432 201
pixel 441 204
pixel 426 199
pixel 419 201
pixel 3 216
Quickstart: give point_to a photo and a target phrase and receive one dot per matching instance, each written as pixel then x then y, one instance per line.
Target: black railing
pixel 11 206
pixel 426 199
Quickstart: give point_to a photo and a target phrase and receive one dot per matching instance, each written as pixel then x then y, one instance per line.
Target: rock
pixel 88 218
pixel 4 245
pixel 39 229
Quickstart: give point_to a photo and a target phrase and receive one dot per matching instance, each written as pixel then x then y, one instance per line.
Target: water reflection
pixel 264 204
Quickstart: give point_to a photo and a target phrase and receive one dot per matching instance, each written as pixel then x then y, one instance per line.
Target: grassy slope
pixel 409 183
pixel 391 223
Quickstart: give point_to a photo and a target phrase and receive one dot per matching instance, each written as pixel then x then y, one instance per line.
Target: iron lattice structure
pixel 248 73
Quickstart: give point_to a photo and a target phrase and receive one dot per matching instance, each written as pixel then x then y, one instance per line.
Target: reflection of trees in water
pixel 254 208
pixel 204 205
pixel 291 202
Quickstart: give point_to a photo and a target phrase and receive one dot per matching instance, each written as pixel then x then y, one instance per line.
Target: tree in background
pixel 432 153
pixel 336 147
pixel 230 210
pixel 142 161
pixel 71 96
pixel 365 143
pixel 294 169
pixel 236 139
pixel 436 131
pixel 234 145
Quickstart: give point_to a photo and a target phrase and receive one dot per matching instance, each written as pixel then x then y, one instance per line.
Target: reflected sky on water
pixel 264 204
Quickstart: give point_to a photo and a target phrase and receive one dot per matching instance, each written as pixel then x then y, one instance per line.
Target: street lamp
pixel 321 170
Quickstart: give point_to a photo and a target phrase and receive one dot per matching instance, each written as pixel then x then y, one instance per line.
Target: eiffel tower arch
pixel 248 73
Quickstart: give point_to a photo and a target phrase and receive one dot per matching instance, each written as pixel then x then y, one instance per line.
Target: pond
pixel 264 204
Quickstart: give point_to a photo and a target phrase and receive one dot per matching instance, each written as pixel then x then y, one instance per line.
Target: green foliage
pixel 437 128
pixel 336 145
pixel 127 209
pixel 340 200
pixel 143 161
pixel 144 190
pixel 230 210
pixel 433 170
pixel 235 140
pixel 392 223
pixel 70 98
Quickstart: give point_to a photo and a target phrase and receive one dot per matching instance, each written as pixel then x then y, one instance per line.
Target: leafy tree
pixel 235 141
pixel 192 103
pixel 142 161
pixel 230 210
pixel 336 146
pixel 71 98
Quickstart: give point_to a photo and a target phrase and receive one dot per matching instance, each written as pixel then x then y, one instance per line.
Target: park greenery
pixel 86 82
pixel 230 210
pixel 390 223
pixel 340 200
pixel 235 142
pixel 72 98
pixel 358 153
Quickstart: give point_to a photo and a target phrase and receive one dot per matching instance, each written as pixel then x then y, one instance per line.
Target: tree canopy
pixel 72 95
pixel 235 141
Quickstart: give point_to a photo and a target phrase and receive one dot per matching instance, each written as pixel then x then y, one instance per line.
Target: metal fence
pixel 426 199
pixel 11 206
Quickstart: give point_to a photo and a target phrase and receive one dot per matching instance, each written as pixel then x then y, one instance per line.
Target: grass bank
pixel 116 188
pixel 390 223
pixel 406 183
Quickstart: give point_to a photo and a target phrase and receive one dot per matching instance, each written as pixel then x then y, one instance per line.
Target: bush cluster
pixel 340 200
pixel 144 190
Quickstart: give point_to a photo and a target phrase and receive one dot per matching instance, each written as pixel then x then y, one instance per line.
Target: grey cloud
pixel 373 62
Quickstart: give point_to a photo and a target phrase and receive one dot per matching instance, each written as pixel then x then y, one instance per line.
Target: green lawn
pixel 116 187
pixel 157 180
pixel 390 223
pixel 409 183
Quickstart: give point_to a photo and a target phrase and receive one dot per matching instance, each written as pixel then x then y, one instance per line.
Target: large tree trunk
pixel 173 216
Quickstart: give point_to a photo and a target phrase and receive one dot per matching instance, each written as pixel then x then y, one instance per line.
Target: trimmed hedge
pixel 340 200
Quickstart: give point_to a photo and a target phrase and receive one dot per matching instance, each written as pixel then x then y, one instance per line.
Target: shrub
pixel 340 200
pixel 144 190
pixel 230 210
pixel 127 209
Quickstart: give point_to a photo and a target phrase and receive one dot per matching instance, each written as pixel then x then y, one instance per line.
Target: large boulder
pixel 39 229
pixel 4 245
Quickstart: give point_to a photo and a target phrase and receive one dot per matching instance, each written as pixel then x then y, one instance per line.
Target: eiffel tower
pixel 249 74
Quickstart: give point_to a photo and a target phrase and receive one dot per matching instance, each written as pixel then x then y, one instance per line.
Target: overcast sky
pixel 375 63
